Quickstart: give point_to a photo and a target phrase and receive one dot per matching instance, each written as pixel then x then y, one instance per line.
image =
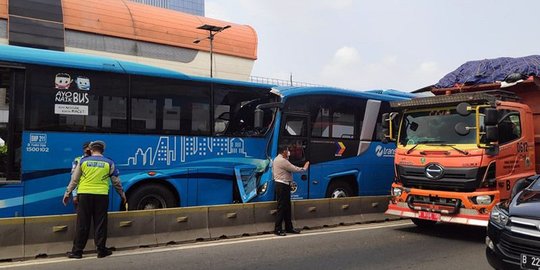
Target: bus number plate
pixel 530 262
pixel 429 216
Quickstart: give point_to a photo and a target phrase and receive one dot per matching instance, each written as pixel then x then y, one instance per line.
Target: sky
pixel 380 44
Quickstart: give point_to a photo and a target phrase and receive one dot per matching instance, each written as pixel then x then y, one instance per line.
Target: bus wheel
pixel 151 196
pixel 338 189
pixel 423 223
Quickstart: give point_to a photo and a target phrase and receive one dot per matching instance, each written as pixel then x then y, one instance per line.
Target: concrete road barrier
pixel 346 211
pixel 181 224
pixel 265 216
pixel 373 208
pixel 11 238
pixel 131 229
pixel 53 235
pixel 48 235
pixel 312 213
pixel 231 220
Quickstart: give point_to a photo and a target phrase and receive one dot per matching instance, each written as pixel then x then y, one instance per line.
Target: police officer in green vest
pixel 91 178
pixel 76 161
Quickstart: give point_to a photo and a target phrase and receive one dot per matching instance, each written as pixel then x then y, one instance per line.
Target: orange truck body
pixel 494 175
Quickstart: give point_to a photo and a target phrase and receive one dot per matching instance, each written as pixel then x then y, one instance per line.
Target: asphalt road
pixel 391 245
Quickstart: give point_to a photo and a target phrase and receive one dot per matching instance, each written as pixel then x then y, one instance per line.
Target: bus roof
pixel 385 95
pixel 23 55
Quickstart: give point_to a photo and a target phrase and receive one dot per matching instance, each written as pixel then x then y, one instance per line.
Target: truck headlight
pixel 483 199
pixel 396 192
pixel 498 216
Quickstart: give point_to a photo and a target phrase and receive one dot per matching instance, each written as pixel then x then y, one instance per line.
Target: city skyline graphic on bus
pixel 170 149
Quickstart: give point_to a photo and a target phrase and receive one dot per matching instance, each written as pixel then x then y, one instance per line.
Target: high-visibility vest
pixel 96 173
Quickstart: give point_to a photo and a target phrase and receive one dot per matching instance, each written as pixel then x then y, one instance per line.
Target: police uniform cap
pixel 98 144
pixel 86 144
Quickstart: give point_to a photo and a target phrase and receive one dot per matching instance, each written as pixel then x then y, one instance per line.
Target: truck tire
pixel 339 189
pixel 151 196
pixel 423 223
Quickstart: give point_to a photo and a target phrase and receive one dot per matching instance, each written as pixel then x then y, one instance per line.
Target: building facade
pixel 195 7
pixel 130 31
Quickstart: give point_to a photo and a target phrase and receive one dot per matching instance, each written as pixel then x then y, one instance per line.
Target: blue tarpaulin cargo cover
pixel 490 71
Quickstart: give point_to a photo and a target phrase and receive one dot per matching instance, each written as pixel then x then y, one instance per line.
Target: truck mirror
pixel 413 126
pixel 492 134
pixel 493 150
pixel 491 117
pixel 463 109
pixel 259 115
pixel 385 121
pixel 462 129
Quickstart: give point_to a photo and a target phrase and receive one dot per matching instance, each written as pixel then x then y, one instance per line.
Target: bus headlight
pixel 263 188
pixel 396 192
pixel 483 199
pixel 498 216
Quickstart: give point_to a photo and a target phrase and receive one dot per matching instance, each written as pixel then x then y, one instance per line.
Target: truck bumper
pixel 402 209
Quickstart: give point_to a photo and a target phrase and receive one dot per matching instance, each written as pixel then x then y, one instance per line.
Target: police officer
pixel 86 152
pixel 91 177
pixel 282 171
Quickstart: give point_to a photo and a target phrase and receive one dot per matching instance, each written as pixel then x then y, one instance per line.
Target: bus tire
pixel 423 223
pixel 339 189
pixel 151 196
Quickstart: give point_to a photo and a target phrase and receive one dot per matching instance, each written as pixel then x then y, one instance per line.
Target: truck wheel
pixel 422 223
pixel 151 196
pixel 339 189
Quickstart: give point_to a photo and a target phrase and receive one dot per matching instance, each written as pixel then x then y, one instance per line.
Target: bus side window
pixel 378 135
pixel 92 101
pixel 169 106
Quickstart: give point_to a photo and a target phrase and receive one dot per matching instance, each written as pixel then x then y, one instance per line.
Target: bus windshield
pixel 435 127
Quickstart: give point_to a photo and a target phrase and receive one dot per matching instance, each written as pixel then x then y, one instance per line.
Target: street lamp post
pixel 212 31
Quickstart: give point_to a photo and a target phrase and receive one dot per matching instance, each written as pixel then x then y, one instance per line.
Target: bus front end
pixel 446 159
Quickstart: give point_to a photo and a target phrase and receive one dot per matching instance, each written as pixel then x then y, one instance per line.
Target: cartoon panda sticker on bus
pixel 62 81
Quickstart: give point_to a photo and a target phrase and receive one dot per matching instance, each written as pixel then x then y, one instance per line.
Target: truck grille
pixel 453 179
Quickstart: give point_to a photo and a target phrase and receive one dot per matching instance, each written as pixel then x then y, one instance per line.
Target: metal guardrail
pixel 31 237
pixel 257 79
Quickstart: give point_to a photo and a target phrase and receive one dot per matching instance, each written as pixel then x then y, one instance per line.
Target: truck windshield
pixel 435 127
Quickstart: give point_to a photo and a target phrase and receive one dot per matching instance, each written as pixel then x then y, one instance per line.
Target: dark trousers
pixel 94 208
pixel 283 197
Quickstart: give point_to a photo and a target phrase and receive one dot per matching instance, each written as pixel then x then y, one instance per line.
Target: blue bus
pixel 178 140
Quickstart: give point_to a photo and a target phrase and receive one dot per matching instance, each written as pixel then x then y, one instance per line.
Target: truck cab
pixel 462 151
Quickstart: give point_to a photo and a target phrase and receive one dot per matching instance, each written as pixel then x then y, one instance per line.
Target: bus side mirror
pixel 385 121
pixel 259 116
pixel 463 109
pixel 387 127
pixel 491 117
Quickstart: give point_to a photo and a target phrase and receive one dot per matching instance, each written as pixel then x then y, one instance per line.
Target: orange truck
pixel 463 150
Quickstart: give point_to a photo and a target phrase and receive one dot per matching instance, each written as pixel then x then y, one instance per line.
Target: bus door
pixel 294 133
pixel 11 124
